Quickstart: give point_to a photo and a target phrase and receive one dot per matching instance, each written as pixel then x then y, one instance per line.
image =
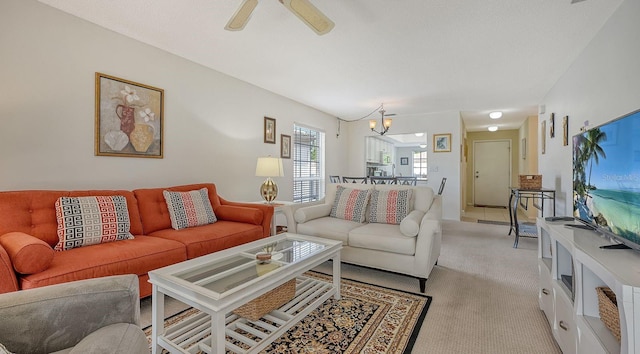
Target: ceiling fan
pixel 575 1
pixel 305 11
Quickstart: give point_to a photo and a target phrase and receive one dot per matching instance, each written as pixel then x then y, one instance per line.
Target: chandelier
pixel 386 122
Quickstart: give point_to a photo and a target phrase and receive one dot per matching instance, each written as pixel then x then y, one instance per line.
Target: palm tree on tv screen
pixel 594 150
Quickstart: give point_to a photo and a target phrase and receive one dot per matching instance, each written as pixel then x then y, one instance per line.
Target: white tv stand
pixel 571 265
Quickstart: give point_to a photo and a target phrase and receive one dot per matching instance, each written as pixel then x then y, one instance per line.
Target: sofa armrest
pixel 8 280
pixel 308 213
pixel 57 317
pixel 429 239
pixel 239 214
pixel 267 213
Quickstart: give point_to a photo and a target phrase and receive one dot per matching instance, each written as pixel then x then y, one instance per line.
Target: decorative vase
pixel 127 120
pixel 141 137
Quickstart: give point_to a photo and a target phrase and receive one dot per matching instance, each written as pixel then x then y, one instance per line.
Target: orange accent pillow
pixel 28 254
pixel 239 214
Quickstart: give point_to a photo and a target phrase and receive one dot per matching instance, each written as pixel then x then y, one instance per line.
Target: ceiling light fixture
pixel 493 128
pixel 386 123
pixel 419 134
pixel 495 115
pixel 422 146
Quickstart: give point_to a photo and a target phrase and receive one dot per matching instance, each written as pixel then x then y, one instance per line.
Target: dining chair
pixel 334 179
pixel 383 180
pixel 362 180
pixel 407 181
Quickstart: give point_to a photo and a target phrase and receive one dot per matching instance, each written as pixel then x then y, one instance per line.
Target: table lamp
pixel 269 167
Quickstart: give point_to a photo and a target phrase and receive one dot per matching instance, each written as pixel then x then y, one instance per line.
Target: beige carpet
pixel 484 294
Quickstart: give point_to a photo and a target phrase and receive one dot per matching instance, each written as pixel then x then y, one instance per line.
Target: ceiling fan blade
pixel 242 15
pixel 310 15
pixel 575 1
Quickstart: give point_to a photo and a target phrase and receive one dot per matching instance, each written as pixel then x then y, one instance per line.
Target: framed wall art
pixel 543 141
pixel 129 118
pixel 442 142
pixel 565 130
pixel 285 146
pixel 552 125
pixel 269 130
pixel 404 161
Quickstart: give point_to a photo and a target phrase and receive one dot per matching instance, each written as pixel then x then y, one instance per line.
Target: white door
pixel 492 172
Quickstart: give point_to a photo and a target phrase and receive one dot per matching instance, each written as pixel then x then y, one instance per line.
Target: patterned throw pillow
pixel 84 221
pixel 188 209
pixel 390 206
pixel 350 204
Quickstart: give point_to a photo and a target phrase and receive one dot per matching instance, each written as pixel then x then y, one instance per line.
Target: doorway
pixel 491 172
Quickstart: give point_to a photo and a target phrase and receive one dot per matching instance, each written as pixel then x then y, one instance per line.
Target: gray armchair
pixel 99 315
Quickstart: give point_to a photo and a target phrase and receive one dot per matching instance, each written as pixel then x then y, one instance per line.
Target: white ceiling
pixel 416 56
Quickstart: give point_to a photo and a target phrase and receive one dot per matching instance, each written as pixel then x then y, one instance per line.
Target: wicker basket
pixel 608 309
pixel 530 182
pixel 268 302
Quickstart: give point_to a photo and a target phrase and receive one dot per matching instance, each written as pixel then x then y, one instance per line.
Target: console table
pixel 522 196
pixel 571 265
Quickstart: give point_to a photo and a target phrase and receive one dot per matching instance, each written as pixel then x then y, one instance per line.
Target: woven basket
pixel 530 182
pixel 608 309
pixel 258 307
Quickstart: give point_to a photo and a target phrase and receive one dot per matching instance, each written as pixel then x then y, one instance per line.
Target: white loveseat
pixel 410 248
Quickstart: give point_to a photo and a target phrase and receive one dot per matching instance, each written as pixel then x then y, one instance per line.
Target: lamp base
pixel 269 190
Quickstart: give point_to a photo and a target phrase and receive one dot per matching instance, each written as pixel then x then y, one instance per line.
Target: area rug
pixel 367 319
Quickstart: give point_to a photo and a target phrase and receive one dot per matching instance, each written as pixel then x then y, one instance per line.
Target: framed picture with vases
pixel 129 118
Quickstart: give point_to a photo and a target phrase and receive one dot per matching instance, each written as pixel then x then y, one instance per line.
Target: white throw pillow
pixel 389 206
pixel 350 204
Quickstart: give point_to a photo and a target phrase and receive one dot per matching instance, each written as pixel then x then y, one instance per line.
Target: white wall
pixel 602 84
pixel 213 123
pixel 443 164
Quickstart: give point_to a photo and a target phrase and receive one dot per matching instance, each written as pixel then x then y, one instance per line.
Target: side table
pixel 278 208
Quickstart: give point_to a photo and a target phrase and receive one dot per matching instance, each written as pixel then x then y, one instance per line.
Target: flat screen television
pixel 606 179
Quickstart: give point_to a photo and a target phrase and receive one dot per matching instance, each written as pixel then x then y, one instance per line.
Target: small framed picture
pixel 404 160
pixel 565 130
pixel 543 137
pixel 269 130
pixel 285 146
pixel 552 125
pixel 442 142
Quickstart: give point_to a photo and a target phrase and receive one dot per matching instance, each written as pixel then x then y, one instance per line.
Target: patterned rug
pixel 367 319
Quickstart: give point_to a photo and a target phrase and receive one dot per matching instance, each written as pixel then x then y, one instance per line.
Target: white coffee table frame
pixel 216 317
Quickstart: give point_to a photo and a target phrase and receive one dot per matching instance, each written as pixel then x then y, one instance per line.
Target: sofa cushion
pixel 210 238
pixel 382 237
pixel 28 254
pixel 410 225
pixel 389 207
pixel 153 207
pixel 350 204
pixel 136 256
pixel 189 209
pixel 84 221
pixel 327 227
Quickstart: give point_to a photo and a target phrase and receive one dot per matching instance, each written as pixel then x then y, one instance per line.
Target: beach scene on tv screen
pixel 606 177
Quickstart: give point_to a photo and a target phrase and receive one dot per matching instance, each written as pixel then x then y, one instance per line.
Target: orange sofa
pixel 28 233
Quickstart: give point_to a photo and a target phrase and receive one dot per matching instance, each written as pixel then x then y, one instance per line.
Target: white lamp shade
pixel 269 167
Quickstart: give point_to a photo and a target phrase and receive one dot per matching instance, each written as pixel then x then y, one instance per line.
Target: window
pixel 420 164
pixel 308 164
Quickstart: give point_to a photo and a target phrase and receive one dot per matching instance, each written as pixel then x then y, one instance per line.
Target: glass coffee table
pixel 221 282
